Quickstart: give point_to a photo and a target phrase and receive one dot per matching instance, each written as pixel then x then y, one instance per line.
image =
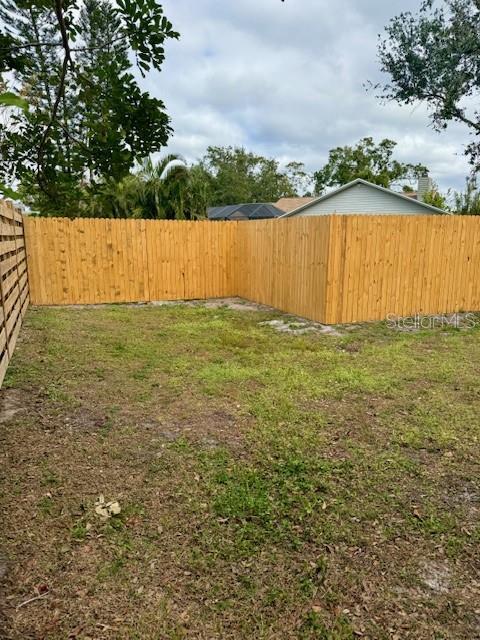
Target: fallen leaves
pixel 417 513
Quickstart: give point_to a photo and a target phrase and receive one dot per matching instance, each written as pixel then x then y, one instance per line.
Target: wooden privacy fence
pixel 13 281
pixel 88 260
pixel 351 268
pixel 332 269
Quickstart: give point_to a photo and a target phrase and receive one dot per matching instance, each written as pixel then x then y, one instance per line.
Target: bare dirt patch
pixel 11 403
pixel 437 577
pixel 299 327
pixel 235 304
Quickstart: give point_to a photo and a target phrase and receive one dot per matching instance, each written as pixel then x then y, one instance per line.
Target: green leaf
pixel 11 99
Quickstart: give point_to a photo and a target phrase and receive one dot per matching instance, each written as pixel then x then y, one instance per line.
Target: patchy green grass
pixel 271 485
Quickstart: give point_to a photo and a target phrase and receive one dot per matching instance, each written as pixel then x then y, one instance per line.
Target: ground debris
pixel 106 509
pixel 299 327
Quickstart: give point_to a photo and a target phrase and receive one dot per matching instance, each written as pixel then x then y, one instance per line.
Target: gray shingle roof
pixel 251 211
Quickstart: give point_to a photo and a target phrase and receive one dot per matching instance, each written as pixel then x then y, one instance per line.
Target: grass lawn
pixel 271 485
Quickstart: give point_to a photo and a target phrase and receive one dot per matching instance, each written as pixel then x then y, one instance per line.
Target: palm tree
pixel 164 190
pixel 113 199
pixel 165 186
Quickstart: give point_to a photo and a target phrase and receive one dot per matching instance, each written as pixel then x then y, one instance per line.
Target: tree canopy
pixel 236 175
pixel 86 121
pixel 432 57
pixel 367 160
pixel 467 202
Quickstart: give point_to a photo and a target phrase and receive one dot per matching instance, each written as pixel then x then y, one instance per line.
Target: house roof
pixel 249 211
pixel 289 204
pixel 351 184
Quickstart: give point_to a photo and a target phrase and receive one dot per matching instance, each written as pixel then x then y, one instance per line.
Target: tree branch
pixel 63 29
pixel 456 111
pixel 463 118
pixel 72 137
pixel 104 44
pixel 67 60
pixel 30 45
pixel 53 115
pixel 40 43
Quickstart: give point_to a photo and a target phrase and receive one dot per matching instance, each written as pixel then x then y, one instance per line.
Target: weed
pixel 79 530
pixel 314 627
pixel 46 506
pixel 49 477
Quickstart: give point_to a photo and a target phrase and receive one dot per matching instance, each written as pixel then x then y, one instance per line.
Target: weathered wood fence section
pixel 332 269
pixel 13 281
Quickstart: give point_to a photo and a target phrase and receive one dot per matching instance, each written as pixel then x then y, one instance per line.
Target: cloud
pixel 287 79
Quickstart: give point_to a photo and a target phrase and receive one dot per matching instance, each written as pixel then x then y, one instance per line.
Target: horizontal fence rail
pixel 333 269
pixel 14 293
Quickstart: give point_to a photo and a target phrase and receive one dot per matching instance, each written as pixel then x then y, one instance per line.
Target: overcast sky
pixel 286 79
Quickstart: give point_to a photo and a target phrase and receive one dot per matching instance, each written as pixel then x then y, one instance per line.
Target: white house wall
pixel 360 198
